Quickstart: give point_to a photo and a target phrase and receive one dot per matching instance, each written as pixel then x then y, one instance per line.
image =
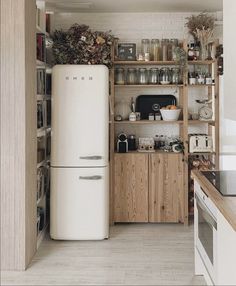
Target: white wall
pixel 228 88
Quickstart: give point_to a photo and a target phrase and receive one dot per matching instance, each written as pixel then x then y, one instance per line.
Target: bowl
pixel 170 114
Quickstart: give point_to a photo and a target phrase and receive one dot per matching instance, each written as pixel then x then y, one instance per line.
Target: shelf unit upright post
pixel 112 133
pixel 185 137
pixel 43 133
pixel 212 125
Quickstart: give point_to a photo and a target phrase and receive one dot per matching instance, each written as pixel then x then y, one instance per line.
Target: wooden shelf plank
pixel 40 64
pixel 201 62
pixel 149 85
pixel 41 163
pixel 154 152
pixel 40 97
pixel 41 132
pixel 144 63
pixel 196 122
pixel 201 85
pixel 148 122
pixel 202 153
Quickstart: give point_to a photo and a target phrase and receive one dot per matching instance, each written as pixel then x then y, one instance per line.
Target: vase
pixel 123 109
pixel 204 50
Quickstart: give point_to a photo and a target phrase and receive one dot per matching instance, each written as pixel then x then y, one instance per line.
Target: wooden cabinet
pixel 149 187
pixel 131 187
pixel 166 188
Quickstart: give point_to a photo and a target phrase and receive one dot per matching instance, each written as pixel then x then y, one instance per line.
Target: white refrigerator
pixel 79 202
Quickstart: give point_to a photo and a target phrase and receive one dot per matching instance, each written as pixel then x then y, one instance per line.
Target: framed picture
pixel 126 52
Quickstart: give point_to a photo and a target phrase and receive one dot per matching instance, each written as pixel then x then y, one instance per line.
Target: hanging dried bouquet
pixel 80 45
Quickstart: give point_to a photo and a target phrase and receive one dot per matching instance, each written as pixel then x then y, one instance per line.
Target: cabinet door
pixel 131 188
pixel 166 188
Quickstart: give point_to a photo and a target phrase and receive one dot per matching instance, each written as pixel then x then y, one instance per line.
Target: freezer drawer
pixel 79 203
pixel 80 116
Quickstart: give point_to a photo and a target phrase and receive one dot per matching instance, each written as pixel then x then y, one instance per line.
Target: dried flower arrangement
pixel 201 27
pixel 200 22
pixel 80 45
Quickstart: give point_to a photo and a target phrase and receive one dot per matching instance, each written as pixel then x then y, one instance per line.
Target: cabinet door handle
pixel 90 178
pixel 96 157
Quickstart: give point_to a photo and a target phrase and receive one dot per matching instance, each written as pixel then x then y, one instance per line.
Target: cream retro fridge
pixel 79 201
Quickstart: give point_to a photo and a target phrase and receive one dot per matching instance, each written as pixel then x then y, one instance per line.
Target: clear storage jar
pixel 143 76
pixel 164 49
pixel 154 76
pixel 145 48
pixel 172 46
pixel 131 77
pixel 165 76
pixel 120 76
pixel 175 76
pixel 155 50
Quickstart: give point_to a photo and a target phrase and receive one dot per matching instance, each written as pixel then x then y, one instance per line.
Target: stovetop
pixel 223 181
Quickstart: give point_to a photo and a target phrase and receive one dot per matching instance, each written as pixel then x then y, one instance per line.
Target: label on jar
pixel 208 80
pixel 192 80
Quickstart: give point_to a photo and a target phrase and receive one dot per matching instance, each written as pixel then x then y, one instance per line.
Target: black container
pixel 132 143
pixel 146 104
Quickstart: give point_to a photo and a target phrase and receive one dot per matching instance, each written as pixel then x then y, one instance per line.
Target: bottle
pixel 131 143
pixel 191 52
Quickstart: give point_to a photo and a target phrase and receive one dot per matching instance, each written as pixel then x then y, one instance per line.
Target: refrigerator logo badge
pixel 81 78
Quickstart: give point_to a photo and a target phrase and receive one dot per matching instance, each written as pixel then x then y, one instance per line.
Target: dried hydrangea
pixel 80 45
pixel 202 21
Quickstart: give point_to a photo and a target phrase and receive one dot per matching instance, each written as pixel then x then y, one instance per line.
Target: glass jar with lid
pixel 155 50
pixel 165 76
pixel 173 45
pixel 164 49
pixel 119 76
pixel 131 77
pixel 175 76
pixel 145 48
pixel 154 76
pixel 143 76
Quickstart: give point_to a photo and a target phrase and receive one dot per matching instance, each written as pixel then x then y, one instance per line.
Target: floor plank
pixel 137 254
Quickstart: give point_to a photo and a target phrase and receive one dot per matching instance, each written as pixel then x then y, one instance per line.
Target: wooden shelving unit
pixel 43 133
pixel 184 124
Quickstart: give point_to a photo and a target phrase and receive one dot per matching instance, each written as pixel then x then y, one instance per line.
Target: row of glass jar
pixel 158 50
pixel 200 78
pixel 148 76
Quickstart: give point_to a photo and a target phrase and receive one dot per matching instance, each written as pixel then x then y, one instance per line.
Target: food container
pixel 119 76
pixel 131 76
pixel 145 48
pixel 170 115
pixel 155 50
pixel 165 76
pixel 143 76
pixel 154 76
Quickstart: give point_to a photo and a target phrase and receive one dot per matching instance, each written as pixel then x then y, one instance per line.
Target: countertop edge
pixel 226 205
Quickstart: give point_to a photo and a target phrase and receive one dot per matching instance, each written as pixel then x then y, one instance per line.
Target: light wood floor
pixel 134 255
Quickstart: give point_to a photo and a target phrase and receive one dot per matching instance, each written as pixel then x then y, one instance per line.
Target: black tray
pixel 146 104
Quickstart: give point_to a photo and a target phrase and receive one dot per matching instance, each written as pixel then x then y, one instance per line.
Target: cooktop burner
pixel 223 181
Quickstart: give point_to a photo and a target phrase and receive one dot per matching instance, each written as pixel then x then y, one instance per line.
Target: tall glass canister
pixel 145 49
pixel 164 49
pixel 155 50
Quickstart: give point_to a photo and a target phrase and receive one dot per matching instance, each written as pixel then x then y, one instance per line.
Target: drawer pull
pixel 91 157
pixel 90 177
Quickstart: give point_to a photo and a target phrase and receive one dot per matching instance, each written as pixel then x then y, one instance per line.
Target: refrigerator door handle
pixel 90 177
pixel 91 157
